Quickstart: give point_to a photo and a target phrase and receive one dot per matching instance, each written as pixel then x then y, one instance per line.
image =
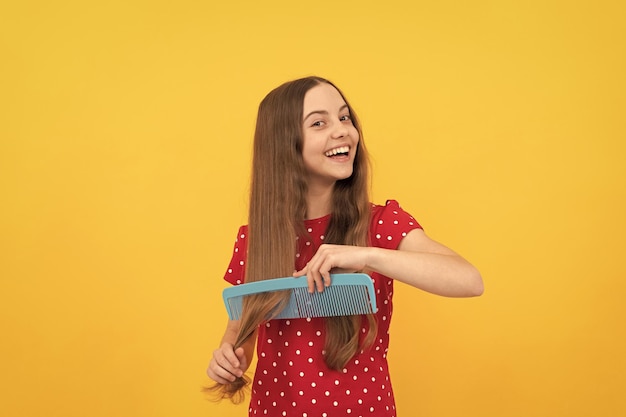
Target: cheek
pixel 355 134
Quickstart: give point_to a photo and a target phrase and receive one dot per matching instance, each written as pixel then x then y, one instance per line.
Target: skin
pixel 228 363
pixel 419 260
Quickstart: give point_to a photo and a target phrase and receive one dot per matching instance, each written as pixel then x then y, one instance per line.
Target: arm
pixel 228 363
pixel 419 261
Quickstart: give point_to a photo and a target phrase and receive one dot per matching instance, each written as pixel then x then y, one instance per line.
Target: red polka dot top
pixel 291 377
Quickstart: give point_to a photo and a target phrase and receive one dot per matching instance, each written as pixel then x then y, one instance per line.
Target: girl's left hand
pixel 338 258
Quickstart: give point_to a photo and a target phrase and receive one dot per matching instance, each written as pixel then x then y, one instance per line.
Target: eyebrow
pixel 324 112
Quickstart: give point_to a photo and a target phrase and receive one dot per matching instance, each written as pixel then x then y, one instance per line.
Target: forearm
pixel 418 261
pixel 446 274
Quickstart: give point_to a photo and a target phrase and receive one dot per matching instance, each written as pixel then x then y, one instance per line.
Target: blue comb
pixel 348 294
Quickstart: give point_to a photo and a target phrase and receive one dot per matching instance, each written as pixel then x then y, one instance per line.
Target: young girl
pixel 310 212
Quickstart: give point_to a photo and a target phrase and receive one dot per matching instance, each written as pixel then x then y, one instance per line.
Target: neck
pixel 318 202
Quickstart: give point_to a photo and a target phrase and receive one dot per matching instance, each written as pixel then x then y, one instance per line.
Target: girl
pixel 309 209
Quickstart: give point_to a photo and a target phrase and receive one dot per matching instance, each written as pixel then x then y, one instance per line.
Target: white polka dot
pixel 269 340
pixel 380 222
pixel 240 262
pixel 327 393
pixel 335 403
pixel 389 238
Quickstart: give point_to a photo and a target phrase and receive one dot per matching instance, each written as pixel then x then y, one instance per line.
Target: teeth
pixel 341 149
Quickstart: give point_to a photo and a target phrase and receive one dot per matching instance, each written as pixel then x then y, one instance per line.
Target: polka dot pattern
pixel 291 378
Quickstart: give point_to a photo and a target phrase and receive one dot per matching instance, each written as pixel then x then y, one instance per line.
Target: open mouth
pixel 340 151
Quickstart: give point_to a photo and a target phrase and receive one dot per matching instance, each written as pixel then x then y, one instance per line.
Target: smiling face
pixel 329 138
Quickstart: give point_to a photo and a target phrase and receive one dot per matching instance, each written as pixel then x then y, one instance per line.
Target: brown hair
pixel 276 217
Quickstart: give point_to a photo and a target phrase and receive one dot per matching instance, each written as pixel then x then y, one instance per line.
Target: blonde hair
pixel 276 217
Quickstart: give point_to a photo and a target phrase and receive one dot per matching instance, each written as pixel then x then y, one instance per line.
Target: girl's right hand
pixel 227 364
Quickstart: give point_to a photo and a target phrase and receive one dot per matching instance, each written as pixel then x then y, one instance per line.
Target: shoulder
pixel 390 223
pixel 392 212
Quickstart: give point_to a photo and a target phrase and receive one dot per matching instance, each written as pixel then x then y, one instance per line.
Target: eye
pixel 318 123
pixel 345 118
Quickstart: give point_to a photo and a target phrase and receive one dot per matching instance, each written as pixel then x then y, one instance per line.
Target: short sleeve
pixel 390 224
pixel 237 268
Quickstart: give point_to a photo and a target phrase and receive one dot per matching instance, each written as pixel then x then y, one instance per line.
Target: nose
pixel 339 130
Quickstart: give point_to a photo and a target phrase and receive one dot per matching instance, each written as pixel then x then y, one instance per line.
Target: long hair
pixel 276 217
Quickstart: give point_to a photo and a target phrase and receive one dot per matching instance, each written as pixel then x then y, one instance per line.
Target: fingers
pixel 316 280
pixel 318 270
pixel 243 361
pixel 226 364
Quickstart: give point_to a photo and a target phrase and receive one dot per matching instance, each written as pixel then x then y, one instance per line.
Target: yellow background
pixel 125 133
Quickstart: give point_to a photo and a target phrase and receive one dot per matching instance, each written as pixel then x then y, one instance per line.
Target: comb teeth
pixel 350 294
pixel 333 301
